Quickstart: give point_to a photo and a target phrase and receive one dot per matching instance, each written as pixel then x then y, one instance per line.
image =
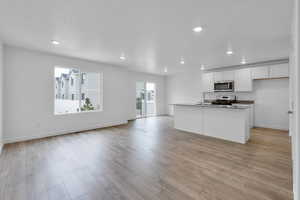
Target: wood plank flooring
pixel 147 159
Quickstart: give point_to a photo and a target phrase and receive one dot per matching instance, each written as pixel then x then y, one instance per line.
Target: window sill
pixel 76 113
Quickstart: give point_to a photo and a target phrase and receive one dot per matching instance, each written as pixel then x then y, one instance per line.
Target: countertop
pixel 247 102
pixel 243 102
pixel 206 105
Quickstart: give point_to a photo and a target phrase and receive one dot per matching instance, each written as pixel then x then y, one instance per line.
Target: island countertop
pixel 206 105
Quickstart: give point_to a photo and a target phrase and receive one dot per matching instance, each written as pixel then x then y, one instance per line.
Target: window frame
pixel 72 81
pixel 80 71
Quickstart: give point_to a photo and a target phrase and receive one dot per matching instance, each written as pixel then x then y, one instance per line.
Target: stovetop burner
pixel 223 101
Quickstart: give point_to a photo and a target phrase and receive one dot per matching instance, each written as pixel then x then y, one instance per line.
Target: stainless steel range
pixel 225 100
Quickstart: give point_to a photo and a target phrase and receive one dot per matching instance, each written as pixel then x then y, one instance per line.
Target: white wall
pixel 271 103
pixel 1 96
pixel 29 95
pixel 183 87
pixel 271 97
pixel 296 98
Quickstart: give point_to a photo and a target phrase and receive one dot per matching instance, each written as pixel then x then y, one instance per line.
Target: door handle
pixel 290 112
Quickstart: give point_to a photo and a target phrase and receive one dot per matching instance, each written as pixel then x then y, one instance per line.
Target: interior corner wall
pixel 29 95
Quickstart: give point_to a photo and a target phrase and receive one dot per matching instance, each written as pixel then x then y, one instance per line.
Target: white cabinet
pixel 251 113
pixel 218 76
pixel 228 75
pixel 260 72
pixel 208 82
pixel 279 71
pixel 274 71
pixel 224 76
pixel 243 80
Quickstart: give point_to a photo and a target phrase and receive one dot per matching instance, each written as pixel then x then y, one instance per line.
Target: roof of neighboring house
pixel 67 76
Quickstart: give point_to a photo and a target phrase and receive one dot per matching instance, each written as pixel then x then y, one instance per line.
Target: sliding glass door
pixel 145 99
pixel 140 99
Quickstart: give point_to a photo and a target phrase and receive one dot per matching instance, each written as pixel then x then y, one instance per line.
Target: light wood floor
pixel 147 159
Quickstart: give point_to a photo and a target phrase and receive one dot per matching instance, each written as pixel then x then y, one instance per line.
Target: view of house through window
pixel 76 91
pixel 145 99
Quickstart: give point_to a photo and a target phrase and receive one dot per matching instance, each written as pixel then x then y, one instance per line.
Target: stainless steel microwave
pixel 224 86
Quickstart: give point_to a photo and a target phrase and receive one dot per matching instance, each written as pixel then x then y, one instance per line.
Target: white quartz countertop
pixel 206 105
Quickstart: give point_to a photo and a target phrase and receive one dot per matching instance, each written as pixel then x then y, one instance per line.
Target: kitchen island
pixel 225 122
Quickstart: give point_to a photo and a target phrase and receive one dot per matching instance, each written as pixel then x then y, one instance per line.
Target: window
pixel 150 96
pixel 84 95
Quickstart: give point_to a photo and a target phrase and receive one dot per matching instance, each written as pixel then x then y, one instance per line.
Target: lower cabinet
pixel 251 113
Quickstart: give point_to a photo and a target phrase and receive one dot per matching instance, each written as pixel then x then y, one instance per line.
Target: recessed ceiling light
pixel 166 70
pixel 229 52
pixel 182 61
pixel 197 29
pixel 243 61
pixel 202 67
pixel 55 42
pixel 122 57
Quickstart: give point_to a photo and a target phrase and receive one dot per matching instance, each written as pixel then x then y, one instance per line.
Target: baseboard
pixel 158 115
pixel 163 115
pixel 270 129
pixel 61 132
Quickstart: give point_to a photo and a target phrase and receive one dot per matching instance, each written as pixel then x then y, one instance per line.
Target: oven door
pixel 223 87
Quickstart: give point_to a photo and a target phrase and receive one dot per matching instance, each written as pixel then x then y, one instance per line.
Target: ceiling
pixel 152 34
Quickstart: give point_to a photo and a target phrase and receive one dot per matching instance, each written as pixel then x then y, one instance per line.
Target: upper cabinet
pixel 208 82
pixel 260 72
pixel 228 75
pixel 243 80
pixel 279 71
pixel 224 76
pixel 269 72
pixel 218 76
